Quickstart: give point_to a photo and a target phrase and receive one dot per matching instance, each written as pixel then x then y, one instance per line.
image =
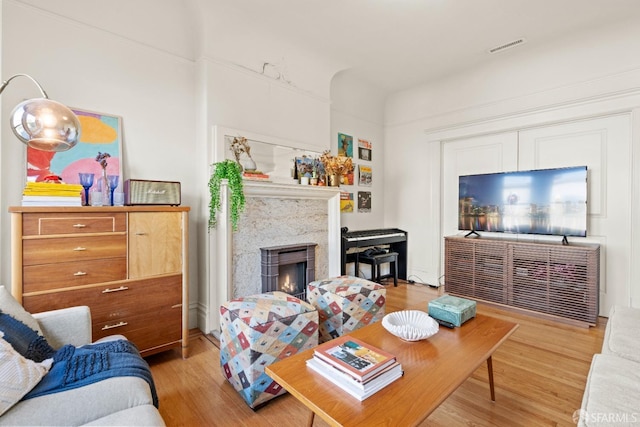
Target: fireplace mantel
pixel 289 191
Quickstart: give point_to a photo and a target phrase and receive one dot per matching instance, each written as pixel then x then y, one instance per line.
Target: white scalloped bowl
pixel 410 325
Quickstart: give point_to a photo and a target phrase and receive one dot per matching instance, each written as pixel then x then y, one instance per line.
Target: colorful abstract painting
pixel 99 132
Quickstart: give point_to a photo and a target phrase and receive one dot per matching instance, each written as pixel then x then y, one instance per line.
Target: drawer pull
pixel 79 249
pixel 79 226
pixel 121 288
pixel 140 233
pixel 117 325
pixel 80 273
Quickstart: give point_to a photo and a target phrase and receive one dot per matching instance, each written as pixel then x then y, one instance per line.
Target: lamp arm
pixel 6 83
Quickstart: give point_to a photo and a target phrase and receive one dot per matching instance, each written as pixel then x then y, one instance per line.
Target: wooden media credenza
pixel 561 281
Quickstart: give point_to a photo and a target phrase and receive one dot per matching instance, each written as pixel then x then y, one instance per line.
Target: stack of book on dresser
pixel 358 368
pixel 51 194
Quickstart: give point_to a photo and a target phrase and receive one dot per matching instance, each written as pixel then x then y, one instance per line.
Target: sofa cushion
pixel 143 415
pixel 612 393
pixel 622 335
pixel 81 405
pixel 24 339
pixel 18 375
pixel 9 305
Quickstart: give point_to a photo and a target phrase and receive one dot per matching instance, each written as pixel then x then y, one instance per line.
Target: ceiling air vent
pixel 505 46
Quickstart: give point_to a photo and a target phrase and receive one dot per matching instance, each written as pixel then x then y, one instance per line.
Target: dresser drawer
pixel 147 332
pixel 42 224
pixel 114 301
pixel 44 277
pixel 148 312
pixel 64 249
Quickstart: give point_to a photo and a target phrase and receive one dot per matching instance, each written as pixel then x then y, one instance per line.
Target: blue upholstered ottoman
pixel 452 309
pixel 346 303
pixel 258 330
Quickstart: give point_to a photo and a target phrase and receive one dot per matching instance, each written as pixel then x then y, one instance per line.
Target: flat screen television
pixel 544 201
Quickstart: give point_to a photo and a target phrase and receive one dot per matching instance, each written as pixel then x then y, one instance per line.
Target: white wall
pixel 357 109
pixel 257 83
pixel 172 76
pixel 572 78
pixel 93 68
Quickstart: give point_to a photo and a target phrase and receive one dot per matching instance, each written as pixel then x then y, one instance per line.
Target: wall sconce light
pixel 42 123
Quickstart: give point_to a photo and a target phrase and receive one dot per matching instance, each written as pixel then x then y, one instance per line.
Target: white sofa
pixel 612 394
pixel 114 401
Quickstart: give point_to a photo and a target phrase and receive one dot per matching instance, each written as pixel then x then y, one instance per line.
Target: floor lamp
pixel 42 123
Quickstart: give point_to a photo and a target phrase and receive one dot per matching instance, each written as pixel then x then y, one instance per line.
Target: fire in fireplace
pixel 288 268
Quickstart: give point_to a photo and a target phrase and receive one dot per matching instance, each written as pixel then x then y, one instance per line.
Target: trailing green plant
pixel 229 170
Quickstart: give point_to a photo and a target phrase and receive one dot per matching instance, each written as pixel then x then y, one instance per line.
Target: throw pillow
pixel 9 305
pixel 17 375
pixel 25 340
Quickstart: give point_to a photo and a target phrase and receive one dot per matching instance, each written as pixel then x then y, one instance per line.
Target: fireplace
pixel 288 268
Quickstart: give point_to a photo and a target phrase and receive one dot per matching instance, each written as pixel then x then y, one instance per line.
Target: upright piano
pixel 393 238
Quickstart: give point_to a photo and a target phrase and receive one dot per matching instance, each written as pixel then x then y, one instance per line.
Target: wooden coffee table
pixel 433 369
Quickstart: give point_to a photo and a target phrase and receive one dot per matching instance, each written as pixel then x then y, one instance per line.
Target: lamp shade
pixel 45 124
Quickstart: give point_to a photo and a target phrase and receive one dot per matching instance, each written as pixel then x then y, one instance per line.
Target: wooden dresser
pixel 128 264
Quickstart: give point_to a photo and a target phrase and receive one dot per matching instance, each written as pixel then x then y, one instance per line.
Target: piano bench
pixel 375 260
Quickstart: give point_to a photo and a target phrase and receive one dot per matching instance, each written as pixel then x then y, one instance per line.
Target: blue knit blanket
pixel 76 367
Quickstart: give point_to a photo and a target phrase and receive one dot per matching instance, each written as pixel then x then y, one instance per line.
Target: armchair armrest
pixel 66 326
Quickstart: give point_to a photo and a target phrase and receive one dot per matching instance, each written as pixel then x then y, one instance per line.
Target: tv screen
pixel 545 201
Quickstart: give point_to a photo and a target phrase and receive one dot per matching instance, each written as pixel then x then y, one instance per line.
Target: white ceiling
pixel 397 44
pixel 392 44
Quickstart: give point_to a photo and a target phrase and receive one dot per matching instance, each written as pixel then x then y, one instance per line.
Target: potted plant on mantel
pixel 229 170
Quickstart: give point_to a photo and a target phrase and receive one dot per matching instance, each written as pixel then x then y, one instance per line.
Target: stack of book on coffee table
pixel 358 368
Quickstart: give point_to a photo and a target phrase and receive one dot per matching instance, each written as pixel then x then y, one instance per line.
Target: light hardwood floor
pixel 540 374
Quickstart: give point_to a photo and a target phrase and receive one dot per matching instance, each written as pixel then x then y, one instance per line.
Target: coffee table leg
pixel 490 369
pixel 312 415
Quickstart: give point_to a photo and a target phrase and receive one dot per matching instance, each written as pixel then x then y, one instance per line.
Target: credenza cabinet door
pixel 155 241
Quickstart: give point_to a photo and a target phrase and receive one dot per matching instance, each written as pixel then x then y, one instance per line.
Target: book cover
pixel 364 149
pixel 346 202
pixel 365 176
pixel 354 357
pixel 49 186
pixel 255 175
pixel 48 203
pixel 345 145
pixel 364 201
pixel 58 199
pixel 356 389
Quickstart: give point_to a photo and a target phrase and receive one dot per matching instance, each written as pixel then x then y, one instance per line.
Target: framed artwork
pixel 99 133
pixel 365 176
pixel 345 145
pixel 364 201
pixel 364 149
pixel 304 166
pixel 346 202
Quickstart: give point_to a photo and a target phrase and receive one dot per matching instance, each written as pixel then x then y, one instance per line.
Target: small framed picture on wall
pixel 364 150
